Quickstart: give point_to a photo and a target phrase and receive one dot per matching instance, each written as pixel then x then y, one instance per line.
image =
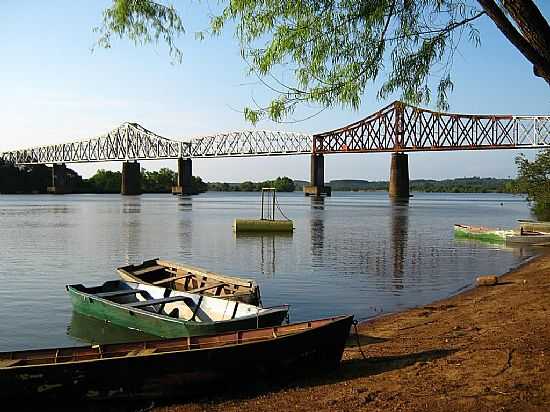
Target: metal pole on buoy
pixel 267 221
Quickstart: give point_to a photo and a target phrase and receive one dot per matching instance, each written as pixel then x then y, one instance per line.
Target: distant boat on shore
pixel 482 233
pixel 534 226
pixel 526 237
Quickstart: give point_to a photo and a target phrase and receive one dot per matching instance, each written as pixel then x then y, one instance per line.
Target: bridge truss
pixel 131 141
pixel 403 128
pixel 396 128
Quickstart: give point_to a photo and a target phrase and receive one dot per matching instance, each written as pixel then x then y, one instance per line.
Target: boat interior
pixel 172 303
pixel 186 278
pixel 120 350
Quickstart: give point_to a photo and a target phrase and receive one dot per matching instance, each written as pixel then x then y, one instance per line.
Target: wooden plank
pixel 160 282
pixel 118 293
pixel 159 301
pixel 203 272
pixel 205 288
pixel 6 363
pixel 146 270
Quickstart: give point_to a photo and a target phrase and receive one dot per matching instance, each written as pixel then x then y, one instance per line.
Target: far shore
pixel 485 349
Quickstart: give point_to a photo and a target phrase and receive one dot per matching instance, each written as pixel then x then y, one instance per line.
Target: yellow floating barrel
pixel 263 225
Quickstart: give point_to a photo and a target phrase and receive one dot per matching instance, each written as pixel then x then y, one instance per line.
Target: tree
pixel 336 48
pixel 105 181
pixel 534 179
pixel 284 184
pixel 158 182
pixel 198 185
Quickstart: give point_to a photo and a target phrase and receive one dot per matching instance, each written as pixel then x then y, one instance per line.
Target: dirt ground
pixel 487 349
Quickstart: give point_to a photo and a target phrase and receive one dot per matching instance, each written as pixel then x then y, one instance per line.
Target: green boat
pixel 169 313
pixel 482 233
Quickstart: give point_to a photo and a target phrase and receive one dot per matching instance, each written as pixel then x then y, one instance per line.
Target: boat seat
pixel 152 302
pixel 187 300
pixel 160 282
pixel 147 270
pixel 205 288
pixel 119 293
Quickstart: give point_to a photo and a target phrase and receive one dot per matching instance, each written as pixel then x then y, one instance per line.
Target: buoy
pixel 263 225
pixel 489 280
pixel 267 222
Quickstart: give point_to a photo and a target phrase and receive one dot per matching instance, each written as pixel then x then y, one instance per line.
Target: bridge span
pixel 397 128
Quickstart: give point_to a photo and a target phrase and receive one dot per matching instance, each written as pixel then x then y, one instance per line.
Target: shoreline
pixel 484 348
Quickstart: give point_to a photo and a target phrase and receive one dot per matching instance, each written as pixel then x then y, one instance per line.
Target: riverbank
pixel 485 349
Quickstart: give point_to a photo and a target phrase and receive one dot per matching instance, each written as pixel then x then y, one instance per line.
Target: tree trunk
pixel 529 19
pixel 532 24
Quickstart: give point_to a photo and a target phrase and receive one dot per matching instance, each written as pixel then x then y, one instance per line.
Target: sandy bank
pixel 485 349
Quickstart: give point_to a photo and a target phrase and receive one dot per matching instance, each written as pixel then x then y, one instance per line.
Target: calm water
pixel 354 252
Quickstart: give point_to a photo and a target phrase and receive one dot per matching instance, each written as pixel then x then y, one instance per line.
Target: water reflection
pixel 130 227
pixel 317 228
pixel 185 203
pixel 399 237
pixel 265 246
pixel 185 227
pixel 96 331
pixel 521 251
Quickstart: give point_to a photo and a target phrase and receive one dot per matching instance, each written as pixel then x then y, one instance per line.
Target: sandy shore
pixel 485 349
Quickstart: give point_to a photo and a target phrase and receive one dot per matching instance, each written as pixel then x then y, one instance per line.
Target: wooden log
pixel 489 280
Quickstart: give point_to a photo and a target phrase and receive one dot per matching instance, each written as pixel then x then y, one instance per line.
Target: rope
pixel 279 208
pixel 357 339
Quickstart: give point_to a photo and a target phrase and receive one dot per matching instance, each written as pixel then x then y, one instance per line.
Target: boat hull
pixel 528 239
pixel 176 373
pixel 165 326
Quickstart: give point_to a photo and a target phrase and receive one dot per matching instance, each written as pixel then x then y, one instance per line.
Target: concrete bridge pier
pixel 399 177
pixel 185 173
pixel 60 182
pixel 317 186
pixel 131 178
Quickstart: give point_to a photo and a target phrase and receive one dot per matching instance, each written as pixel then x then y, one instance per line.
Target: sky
pixel 54 89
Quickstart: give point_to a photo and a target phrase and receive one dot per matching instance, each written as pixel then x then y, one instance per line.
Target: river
pixel 351 253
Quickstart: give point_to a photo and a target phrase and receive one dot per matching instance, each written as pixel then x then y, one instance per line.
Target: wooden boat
pixel 169 313
pixel 534 226
pixel 482 233
pixel 192 279
pixel 174 367
pixel 526 237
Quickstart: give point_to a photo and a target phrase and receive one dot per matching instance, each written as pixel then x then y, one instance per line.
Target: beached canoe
pixel 174 367
pixel 534 226
pixel 526 237
pixel 169 313
pixel 482 233
pixel 192 279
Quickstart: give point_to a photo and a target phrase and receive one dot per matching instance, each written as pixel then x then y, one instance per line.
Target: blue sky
pixel 55 90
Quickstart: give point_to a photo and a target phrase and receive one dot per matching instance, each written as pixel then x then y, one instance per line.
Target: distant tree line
pixel 459 185
pixel 282 184
pixel 36 179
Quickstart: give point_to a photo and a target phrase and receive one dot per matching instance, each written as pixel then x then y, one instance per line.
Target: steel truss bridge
pixel 396 128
